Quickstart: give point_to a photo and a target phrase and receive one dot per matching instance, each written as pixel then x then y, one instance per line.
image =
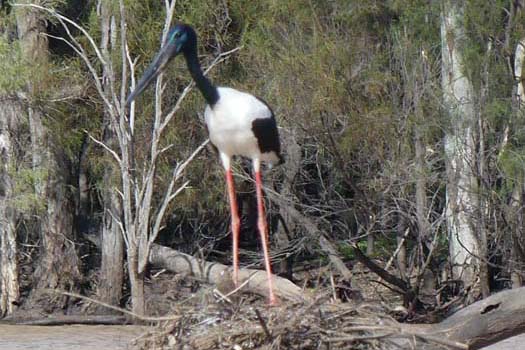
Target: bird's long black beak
pixel 155 68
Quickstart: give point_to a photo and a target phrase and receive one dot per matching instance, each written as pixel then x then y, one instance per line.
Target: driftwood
pixel 253 281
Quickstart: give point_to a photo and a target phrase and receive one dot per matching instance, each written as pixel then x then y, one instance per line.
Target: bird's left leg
pixel 263 228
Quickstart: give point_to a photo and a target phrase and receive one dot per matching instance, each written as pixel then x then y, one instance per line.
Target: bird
pixel 238 123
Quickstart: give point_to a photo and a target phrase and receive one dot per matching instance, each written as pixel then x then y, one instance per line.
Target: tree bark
pixel 112 265
pixel 482 173
pixel 459 148
pixel 421 187
pixel 516 215
pixel 514 211
pixel 401 257
pixel 10 111
pixel 9 284
pixel 58 267
pixel 111 269
pixel 136 281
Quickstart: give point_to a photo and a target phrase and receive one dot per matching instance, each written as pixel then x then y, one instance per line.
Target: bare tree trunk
pixel 415 81
pixel 83 200
pixel 370 241
pixel 112 265
pixel 514 212
pixel 136 281
pixel 9 286
pixel 58 265
pixel 425 276
pixel 111 269
pixel 517 221
pixel 459 148
pixel 401 257
pixel 482 179
pixel 421 188
pixel 517 199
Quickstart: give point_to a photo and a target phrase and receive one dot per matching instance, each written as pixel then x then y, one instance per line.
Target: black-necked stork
pixel 239 124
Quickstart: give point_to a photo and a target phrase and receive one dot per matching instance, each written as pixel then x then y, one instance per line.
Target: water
pixel 72 337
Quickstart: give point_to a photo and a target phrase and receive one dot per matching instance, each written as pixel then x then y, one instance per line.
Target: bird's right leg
pixel 263 229
pixel 235 221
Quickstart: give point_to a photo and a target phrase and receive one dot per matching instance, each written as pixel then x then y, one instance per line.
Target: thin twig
pixel 238 288
pixel 263 324
pixel 112 307
pixel 106 147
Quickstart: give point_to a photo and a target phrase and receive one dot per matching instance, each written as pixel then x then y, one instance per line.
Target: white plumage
pixel 230 122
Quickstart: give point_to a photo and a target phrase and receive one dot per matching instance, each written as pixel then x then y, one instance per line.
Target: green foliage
pixel 25 199
pixel 512 163
pixel 15 72
pixel 347 251
pixel 485 27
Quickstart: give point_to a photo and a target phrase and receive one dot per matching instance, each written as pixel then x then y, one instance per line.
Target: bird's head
pixel 181 38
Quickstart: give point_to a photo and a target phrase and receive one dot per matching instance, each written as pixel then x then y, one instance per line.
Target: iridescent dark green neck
pixel 208 90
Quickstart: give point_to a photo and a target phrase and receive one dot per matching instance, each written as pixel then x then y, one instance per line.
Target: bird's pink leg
pixel 236 224
pixel 263 230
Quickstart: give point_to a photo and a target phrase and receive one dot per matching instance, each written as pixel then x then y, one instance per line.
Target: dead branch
pixel 313 231
pixel 403 286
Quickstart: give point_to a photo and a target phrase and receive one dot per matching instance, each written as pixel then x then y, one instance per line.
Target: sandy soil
pixel 78 337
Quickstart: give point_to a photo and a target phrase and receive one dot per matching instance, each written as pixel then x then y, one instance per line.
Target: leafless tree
pixel 142 217
pixel 458 98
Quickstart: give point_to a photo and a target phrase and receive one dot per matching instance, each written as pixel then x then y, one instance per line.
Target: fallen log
pixel 252 281
pixel 497 317
pixel 500 316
